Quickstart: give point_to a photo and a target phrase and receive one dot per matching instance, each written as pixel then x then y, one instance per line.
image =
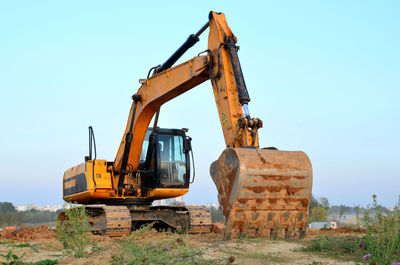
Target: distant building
pixel 51 208
pixel 215 205
pixel 323 225
pixel 171 201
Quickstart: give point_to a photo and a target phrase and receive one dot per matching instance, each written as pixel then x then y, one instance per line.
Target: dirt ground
pixel 211 246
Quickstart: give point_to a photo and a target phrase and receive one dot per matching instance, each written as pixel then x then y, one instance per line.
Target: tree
pixel 342 209
pixel 1 218
pixel 216 215
pixel 10 218
pixel 6 207
pixel 313 202
pixel 358 215
pixel 318 214
pixel 324 202
pixel 20 218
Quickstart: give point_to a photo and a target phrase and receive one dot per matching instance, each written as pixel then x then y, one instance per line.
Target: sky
pixel 324 76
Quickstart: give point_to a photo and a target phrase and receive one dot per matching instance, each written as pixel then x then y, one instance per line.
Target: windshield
pixel 172 160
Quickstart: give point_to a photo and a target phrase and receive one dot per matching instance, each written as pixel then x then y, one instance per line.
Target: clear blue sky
pixel 323 76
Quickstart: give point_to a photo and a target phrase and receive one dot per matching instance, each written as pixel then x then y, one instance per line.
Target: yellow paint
pixel 167 193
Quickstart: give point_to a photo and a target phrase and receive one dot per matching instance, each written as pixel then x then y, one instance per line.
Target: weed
pixel 45 262
pixel 73 233
pixel 35 248
pixel 382 239
pixel 23 245
pixel 12 259
pixel 338 246
pixel 175 250
pixel 97 249
pixel 380 245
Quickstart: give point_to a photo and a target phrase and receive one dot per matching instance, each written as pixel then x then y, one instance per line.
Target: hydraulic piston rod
pixel 190 41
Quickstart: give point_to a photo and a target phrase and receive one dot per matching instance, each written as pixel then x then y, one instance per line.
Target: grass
pixel 379 245
pixel 344 247
pixel 44 262
pixel 243 248
pixel 257 256
pixel 11 259
pixel 23 245
pixel 382 239
pixel 174 250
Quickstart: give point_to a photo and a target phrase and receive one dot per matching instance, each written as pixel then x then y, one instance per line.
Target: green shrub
pixel 46 262
pixel 380 245
pixel 382 239
pixel 23 245
pixel 73 233
pixel 318 214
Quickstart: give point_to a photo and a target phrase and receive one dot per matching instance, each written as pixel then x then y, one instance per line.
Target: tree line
pixel 320 209
pixel 9 216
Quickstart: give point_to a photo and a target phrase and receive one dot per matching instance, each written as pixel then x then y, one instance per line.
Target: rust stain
pixel 275 177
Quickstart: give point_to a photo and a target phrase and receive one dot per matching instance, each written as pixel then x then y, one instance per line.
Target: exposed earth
pixel 210 246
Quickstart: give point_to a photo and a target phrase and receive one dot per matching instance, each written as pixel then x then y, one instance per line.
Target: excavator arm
pixel 155 91
pixel 221 65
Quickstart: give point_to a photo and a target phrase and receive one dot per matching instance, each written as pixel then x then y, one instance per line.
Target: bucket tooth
pixel 270 189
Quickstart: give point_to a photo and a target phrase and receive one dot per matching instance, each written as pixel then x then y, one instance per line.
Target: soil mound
pixel 28 234
pixel 313 232
pixel 218 227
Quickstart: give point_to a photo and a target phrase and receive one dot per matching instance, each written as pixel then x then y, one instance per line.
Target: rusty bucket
pixel 263 192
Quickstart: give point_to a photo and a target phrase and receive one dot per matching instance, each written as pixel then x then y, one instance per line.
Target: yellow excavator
pixel 261 191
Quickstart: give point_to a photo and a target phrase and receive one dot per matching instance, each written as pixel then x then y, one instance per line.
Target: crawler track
pixel 118 220
pixel 200 219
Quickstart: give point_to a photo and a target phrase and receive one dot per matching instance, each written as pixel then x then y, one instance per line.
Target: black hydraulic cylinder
pixel 244 97
pixel 191 40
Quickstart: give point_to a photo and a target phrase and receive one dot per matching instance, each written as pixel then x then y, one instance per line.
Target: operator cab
pixel 164 160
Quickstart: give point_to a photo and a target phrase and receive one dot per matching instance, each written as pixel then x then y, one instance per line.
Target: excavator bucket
pixel 263 192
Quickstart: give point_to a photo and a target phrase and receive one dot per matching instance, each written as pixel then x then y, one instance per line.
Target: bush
pixel 380 245
pixel 382 239
pixel 318 214
pixel 73 233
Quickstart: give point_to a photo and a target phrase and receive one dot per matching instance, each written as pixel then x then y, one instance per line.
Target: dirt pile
pixel 27 234
pixel 313 232
pixel 218 228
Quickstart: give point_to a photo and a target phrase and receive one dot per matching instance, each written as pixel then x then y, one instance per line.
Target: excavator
pixel 261 191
